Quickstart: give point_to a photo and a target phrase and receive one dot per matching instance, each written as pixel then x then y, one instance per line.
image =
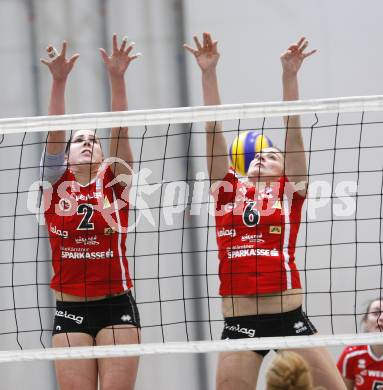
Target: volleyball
pixel 244 147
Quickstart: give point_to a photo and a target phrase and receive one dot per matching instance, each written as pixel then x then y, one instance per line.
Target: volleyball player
pixel 288 371
pixel 257 224
pixel 362 366
pixel 90 270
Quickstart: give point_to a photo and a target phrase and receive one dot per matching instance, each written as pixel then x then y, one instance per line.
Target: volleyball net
pixel 171 244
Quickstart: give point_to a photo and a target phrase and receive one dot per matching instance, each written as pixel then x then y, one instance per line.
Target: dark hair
pixel 67 146
pixel 367 312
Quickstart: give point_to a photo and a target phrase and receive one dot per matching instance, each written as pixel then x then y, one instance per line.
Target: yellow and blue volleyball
pixel 244 147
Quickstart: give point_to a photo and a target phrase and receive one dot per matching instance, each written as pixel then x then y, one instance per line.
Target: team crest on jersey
pixel 275 229
pixel 64 204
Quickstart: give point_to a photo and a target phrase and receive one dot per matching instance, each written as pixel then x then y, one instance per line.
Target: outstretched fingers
pixel 310 53
pixel 208 42
pixel 133 57
pixel 123 44
pixel 73 59
pixel 129 48
pixel 104 55
pixel 64 49
pixel 197 42
pixel 299 47
pixel 214 47
pixel 190 49
pixel 114 42
pixel 300 42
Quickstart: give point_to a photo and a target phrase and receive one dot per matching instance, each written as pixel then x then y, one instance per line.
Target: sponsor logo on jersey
pixel 361 363
pixel 229 207
pixel 299 327
pixel 87 240
pixel 69 316
pixel 109 230
pixel 252 238
pixel 275 229
pixel 277 205
pixel 267 194
pixel 237 328
pixel 94 195
pixel 252 252
pixel 86 255
pixel 227 232
pixel 375 373
pixel 58 232
pixel 106 203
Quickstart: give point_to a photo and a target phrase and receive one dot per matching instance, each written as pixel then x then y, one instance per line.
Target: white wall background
pixel 251 36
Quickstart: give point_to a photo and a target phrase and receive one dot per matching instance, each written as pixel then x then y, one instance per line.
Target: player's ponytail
pixel 289 371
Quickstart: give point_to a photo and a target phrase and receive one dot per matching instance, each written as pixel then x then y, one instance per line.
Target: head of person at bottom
pixel 84 149
pixel 372 320
pixel 267 165
pixel 289 371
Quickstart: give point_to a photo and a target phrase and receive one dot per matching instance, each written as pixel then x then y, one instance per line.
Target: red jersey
pixel 256 236
pixel 360 365
pixel 87 228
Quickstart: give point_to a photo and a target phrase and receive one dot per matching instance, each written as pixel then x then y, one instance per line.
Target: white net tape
pixel 264 343
pixel 190 114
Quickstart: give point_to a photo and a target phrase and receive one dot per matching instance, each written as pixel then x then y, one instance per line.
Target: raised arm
pixel 207 57
pixel 295 159
pixel 117 64
pixel 59 67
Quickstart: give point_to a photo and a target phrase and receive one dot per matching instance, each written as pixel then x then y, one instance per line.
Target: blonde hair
pixel 289 371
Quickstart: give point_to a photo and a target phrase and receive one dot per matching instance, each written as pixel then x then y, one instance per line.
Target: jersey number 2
pixel 87 211
pixel 251 215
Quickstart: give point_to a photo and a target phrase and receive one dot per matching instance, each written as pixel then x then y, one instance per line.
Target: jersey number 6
pixel 251 215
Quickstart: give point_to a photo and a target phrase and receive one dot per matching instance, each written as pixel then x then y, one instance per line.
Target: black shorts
pixel 291 323
pixel 92 316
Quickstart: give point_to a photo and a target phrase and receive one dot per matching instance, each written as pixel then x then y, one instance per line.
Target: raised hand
pixel 119 60
pixel 207 55
pixel 292 59
pixel 58 64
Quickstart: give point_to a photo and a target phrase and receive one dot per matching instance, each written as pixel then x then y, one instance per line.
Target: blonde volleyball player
pixel 260 284
pixel 288 371
pixel 362 366
pixel 87 232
